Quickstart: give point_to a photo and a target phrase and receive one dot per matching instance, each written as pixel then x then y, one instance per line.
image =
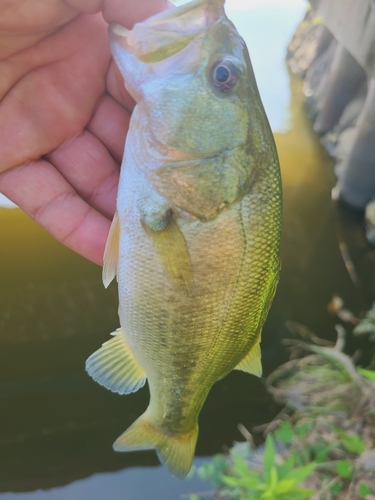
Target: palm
pixel 62 127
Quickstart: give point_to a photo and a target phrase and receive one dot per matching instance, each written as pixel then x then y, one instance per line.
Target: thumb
pixel 124 12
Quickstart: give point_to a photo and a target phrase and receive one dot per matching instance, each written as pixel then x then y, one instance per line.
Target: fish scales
pixel 195 240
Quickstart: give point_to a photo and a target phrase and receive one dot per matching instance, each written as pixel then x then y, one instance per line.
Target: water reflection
pixel 57 425
pixel 144 483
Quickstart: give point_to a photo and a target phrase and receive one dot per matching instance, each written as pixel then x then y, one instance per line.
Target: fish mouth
pixel 170 31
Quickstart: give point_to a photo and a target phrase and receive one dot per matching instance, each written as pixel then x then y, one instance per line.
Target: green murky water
pixel 56 424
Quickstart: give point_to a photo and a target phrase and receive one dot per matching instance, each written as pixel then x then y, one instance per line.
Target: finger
pixel 129 12
pixel 110 124
pixel 125 12
pixel 116 87
pixel 89 168
pixel 43 193
pixel 55 101
pixel 23 24
pixel 88 6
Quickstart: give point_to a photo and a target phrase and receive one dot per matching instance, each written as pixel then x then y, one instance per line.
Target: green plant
pixel 285 432
pixel 213 470
pixel 344 469
pixel 367 325
pixel 364 490
pixel 370 374
pixel 352 442
pixel 273 482
pixel 321 446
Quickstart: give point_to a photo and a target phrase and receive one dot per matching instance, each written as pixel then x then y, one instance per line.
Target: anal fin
pixel 115 367
pixel 251 363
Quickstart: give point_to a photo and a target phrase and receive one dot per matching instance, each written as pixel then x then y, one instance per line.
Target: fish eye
pixel 224 75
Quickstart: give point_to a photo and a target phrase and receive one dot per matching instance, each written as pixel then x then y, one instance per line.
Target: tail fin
pixel 175 451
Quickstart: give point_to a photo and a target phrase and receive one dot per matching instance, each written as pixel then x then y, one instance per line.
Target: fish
pixel 195 241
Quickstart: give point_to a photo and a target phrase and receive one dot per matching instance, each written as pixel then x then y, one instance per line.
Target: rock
pixel 370 222
pixel 307 39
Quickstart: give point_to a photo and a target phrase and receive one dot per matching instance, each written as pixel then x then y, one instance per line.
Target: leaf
pixel 248 483
pixel 284 432
pixel 367 325
pixel 320 450
pixel 301 473
pixel 364 490
pixel 268 458
pixel 335 488
pixel 274 478
pixel 295 494
pixel 284 486
pixel 366 373
pixel 251 497
pixel 301 456
pixel 352 442
pixel 286 467
pixel 231 481
pixel 298 494
pixel 240 467
pixel 303 429
pixel 213 471
pixel 246 478
pixel 344 468
pixel 233 494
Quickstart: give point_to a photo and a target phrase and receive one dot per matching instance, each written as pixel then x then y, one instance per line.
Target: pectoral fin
pixel 111 252
pixel 115 367
pixel 251 363
pixel 171 249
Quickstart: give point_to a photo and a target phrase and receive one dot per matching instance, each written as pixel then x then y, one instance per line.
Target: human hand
pixel 64 114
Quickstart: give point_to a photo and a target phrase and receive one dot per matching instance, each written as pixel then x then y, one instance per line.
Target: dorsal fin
pixel 111 252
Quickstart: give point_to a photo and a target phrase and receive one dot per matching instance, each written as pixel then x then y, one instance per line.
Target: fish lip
pixel 160 21
pixel 172 13
pixel 168 14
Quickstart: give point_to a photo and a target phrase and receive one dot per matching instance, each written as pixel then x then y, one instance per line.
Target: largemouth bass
pixel 195 240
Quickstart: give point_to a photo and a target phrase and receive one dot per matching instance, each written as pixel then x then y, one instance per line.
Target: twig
pixel 345 254
pixel 328 485
pixel 340 342
pixel 351 489
pixel 247 435
pixel 306 333
pixel 274 421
